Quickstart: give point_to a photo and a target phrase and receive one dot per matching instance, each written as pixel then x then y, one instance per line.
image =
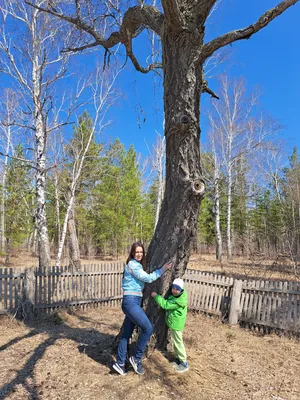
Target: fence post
pixel 29 293
pixel 235 302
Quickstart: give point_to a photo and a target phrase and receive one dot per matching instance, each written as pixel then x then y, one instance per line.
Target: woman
pixel 133 284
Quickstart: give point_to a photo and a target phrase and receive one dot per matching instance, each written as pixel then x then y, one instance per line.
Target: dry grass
pixel 68 356
pixel 243 268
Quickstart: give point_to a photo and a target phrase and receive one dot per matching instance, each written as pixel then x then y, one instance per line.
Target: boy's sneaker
pixel 119 368
pixel 182 367
pixel 175 363
pixel 137 365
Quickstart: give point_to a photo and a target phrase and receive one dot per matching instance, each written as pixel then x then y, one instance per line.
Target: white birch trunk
pixel 41 220
pixel 103 97
pixel 219 249
pixel 74 251
pixel 77 168
pixel 40 142
pixel 57 207
pixel 229 200
pixel 2 223
pixel 161 181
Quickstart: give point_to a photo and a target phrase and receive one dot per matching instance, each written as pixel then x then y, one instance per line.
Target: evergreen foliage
pixel 18 201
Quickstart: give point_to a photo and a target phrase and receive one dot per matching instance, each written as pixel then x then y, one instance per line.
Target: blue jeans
pixel 135 316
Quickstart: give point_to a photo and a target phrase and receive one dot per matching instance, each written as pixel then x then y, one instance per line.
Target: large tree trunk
pixel 177 223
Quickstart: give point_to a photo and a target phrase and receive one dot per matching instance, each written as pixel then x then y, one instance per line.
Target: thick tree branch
pixel 134 18
pixel 245 33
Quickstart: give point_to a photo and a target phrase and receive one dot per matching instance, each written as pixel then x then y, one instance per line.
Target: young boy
pixel 176 310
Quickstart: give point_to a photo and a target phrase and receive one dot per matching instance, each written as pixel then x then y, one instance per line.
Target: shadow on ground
pixel 92 342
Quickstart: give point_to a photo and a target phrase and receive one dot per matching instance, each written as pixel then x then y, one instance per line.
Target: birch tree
pixel 7 130
pixel 285 182
pixel 103 96
pixel 180 27
pixel 157 157
pixel 28 54
pixel 236 133
pixel 216 185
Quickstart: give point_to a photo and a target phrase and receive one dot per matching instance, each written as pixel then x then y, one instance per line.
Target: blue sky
pixel 270 60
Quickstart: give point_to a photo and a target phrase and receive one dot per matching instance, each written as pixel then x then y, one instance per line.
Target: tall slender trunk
pixel 229 201
pixel 41 220
pixel 57 207
pixel 77 168
pixel 219 249
pixel 160 193
pixel 74 251
pixel 184 185
pixel 160 169
pixel 62 238
pixel 40 151
pixel 2 211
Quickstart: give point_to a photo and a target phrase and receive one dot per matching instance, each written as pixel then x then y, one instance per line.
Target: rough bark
pixel 184 185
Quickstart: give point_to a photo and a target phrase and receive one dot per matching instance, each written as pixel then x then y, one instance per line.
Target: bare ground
pixel 68 356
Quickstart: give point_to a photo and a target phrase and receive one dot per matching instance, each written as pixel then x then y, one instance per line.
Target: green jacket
pixel 176 309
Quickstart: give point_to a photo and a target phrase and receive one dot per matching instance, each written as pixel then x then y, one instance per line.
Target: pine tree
pixel 19 193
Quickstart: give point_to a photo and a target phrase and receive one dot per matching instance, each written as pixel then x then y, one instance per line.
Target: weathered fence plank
pixel 268 303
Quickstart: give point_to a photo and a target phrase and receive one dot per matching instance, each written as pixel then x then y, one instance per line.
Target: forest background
pixel 82 152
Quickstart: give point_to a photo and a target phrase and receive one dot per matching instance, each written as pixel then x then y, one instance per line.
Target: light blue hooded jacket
pixel 135 278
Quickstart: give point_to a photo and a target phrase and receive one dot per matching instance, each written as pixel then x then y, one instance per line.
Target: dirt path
pixel 68 357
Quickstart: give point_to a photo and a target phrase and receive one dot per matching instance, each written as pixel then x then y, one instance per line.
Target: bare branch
pixel 19 159
pixel 245 33
pixel 135 62
pixel 206 89
pixel 134 18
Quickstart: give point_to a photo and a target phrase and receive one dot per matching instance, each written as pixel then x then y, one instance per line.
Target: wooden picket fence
pixel 58 287
pixel 208 292
pixel 271 304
